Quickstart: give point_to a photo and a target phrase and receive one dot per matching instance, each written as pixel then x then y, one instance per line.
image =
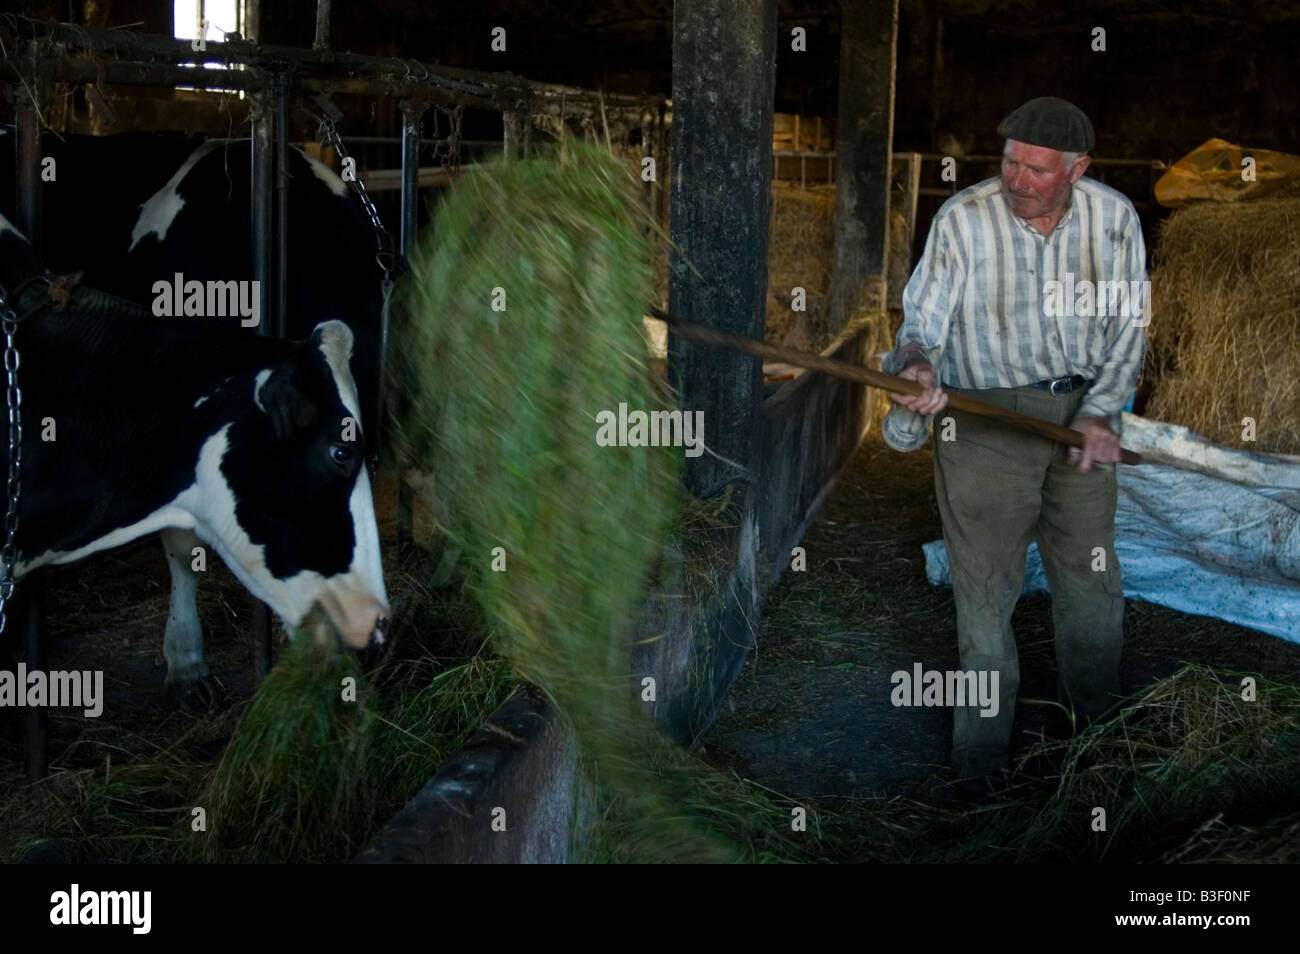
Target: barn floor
pixel 810 716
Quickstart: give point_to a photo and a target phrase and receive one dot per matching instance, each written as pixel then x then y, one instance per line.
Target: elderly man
pixel 988 313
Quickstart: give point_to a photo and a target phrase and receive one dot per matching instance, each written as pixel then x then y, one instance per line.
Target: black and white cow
pixel 133 210
pixel 184 426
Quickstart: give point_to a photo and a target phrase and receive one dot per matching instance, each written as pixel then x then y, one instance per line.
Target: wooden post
pixel 865 132
pixel 263 116
pixel 516 128
pixel 724 54
pixel 322 41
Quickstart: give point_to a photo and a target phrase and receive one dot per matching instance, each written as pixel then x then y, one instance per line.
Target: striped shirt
pixel 994 303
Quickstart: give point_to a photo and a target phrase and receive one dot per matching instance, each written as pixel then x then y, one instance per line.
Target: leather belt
pixel 1059 386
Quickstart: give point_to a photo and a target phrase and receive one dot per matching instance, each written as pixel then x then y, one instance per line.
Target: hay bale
pixel 801 252
pixel 1223 341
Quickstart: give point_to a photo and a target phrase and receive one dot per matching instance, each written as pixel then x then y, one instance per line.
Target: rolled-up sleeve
pixel 1117 373
pixel 929 302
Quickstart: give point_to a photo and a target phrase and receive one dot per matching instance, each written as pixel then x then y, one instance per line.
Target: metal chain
pixel 447 151
pixel 13 402
pixel 327 132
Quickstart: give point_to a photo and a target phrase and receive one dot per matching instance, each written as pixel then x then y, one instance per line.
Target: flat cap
pixel 1050 122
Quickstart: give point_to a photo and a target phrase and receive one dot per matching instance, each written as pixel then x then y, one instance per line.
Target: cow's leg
pixel 183 639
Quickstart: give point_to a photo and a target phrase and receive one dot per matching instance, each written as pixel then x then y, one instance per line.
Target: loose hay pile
pixel 326 753
pixel 290 783
pixel 1188 771
pixel 309 775
pixel 1224 338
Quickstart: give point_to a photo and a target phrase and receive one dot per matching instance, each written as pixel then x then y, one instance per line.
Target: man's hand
pixel 1100 443
pixel 932 400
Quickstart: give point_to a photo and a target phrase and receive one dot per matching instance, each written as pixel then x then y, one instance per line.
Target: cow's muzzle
pixel 360 617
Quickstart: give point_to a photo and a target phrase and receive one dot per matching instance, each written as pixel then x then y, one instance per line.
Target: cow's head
pixel 286 495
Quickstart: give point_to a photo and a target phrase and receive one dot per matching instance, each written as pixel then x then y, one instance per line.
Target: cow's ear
pixel 334 339
pixel 291 410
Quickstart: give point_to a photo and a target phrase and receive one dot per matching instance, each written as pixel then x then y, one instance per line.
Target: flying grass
pixel 524 323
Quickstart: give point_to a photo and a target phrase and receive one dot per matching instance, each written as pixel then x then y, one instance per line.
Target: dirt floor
pixel 810 716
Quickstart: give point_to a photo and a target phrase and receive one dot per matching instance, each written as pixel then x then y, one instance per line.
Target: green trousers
pixel 999 488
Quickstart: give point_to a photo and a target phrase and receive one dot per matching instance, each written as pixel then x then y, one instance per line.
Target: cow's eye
pixel 343 456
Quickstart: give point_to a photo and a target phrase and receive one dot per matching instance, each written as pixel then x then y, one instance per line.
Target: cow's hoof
pixel 195 695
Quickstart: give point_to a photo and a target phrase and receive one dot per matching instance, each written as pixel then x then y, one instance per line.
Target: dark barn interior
pixel 801 152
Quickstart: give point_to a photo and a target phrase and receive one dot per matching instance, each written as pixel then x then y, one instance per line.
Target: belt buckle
pixel 1068 383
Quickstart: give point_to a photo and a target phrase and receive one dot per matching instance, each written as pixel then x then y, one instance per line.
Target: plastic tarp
pixel 1200 528
pixel 1215 170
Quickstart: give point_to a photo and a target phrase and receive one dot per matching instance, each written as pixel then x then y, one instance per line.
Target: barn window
pixel 214 19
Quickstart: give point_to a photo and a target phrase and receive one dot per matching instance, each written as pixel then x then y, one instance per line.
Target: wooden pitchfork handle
pixel 709 337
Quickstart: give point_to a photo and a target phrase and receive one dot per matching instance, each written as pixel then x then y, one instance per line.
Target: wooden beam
pixel 868 36
pixel 724 55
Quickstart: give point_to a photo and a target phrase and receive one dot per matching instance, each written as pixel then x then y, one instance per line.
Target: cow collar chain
pixel 328 132
pixel 13 403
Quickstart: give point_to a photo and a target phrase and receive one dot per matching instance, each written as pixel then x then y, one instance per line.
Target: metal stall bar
pixel 280 316
pixel 33 591
pixel 319 70
pixel 411 115
pixel 263 120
